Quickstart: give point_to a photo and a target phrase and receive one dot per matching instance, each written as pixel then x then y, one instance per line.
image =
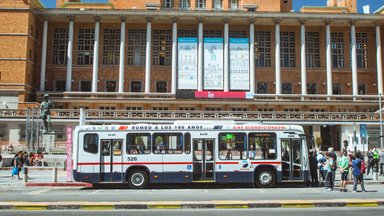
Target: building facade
pixel 161 60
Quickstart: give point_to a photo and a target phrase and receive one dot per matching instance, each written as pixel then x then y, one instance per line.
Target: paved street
pixel 210 212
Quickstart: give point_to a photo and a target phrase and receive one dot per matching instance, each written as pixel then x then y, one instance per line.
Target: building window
pixel 217 4
pixel 262 49
pixel 160 108
pixel 200 4
pixel 337 49
pixel 361 89
pixel 212 33
pixel 184 4
pixel 161 86
pixel 137 40
pixel 60 46
pixel 85 47
pixel 135 86
pixel 162 47
pixel 362 50
pixel 336 88
pixel 239 109
pixel 111 46
pixel 132 108
pixel 262 88
pixel 167 3
pixel 287 49
pixel 85 86
pixel 187 33
pixel 110 86
pixel 3 132
pixel 233 4
pixel 238 34
pixel 286 88
pixel 213 109
pixel 312 49
pixel 311 88
pixel 60 85
pixel 186 108
pixel 22 131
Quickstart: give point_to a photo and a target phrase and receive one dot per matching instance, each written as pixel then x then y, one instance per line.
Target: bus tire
pixel 137 179
pixel 265 177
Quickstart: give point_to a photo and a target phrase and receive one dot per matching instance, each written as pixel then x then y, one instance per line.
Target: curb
pixel 94 206
pixel 58 184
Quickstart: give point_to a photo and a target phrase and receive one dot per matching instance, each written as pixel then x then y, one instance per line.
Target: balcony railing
pixel 113 115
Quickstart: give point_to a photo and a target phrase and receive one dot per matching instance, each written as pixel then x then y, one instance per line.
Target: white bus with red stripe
pixel 190 151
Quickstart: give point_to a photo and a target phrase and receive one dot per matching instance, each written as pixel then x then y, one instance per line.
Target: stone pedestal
pixel 48 142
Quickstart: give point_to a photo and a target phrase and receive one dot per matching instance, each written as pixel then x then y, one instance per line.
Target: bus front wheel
pixel 137 179
pixel 265 177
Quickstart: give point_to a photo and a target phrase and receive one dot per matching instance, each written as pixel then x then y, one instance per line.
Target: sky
pixel 297 4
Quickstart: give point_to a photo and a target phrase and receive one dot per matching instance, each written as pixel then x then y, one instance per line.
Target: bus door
pixel 292 159
pixel 111 160
pixel 203 159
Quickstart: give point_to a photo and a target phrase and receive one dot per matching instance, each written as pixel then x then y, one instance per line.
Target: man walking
pixel 370 161
pixel 357 174
pixel 381 161
pixel 344 169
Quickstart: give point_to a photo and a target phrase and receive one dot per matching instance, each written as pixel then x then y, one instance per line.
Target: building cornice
pixel 211 14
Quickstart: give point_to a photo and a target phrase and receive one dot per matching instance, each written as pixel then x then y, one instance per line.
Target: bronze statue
pixel 45 114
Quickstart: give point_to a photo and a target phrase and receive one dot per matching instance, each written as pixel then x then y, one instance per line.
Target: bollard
pixel 54 174
pixel 25 171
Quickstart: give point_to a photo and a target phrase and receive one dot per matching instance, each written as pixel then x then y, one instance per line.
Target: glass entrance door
pixel 291 158
pixel 111 160
pixel 203 159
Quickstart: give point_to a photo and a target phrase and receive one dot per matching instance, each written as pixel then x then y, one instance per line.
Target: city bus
pixel 190 152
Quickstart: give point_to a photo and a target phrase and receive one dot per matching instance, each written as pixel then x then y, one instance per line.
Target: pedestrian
pixel 329 166
pixel 375 158
pixel 17 165
pixel 313 168
pixel 333 155
pixel 357 174
pixel 344 169
pixel 370 161
pixel 320 164
pixel 381 161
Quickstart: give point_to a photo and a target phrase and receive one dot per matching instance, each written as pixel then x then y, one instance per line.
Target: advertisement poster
pixel 213 64
pixel 239 64
pixel 187 63
pixel 69 153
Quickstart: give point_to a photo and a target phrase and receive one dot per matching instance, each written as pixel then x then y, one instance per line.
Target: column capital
pixel 97 18
pixel 149 19
pixel 328 22
pixel 302 21
pixel 123 19
pixel 200 20
pixel 277 21
pixel 226 20
pixel 252 21
pixel 71 18
pixel 175 19
pixel 352 22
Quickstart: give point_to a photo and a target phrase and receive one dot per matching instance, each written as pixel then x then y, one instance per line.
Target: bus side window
pixel 187 143
pixel 91 143
pixel 233 146
pixel 138 143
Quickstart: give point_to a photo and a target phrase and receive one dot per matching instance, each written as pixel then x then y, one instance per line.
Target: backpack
pixel 362 167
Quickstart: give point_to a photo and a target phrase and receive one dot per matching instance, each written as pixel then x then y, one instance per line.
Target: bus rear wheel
pixel 265 177
pixel 137 179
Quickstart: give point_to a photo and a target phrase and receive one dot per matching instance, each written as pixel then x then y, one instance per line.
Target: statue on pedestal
pixel 45 114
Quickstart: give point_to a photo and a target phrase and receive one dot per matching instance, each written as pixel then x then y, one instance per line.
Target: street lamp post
pixel 381 122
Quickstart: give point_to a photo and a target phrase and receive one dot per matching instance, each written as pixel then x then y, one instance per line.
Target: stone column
pixel 226 56
pixel 148 57
pixel 252 56
pixel 379 63
pixel 328 57
pixel 200 57
pixel 44 56
pixel 95 71
pixel 68 83
pixel 122 55
pixel 354 62
pixel 303 60
pixel 174 55
pixel 277 58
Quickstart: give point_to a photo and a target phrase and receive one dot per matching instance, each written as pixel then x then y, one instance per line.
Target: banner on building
pixel 213 64
pixel 363 134
pixel 187 63
pixel 239 64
